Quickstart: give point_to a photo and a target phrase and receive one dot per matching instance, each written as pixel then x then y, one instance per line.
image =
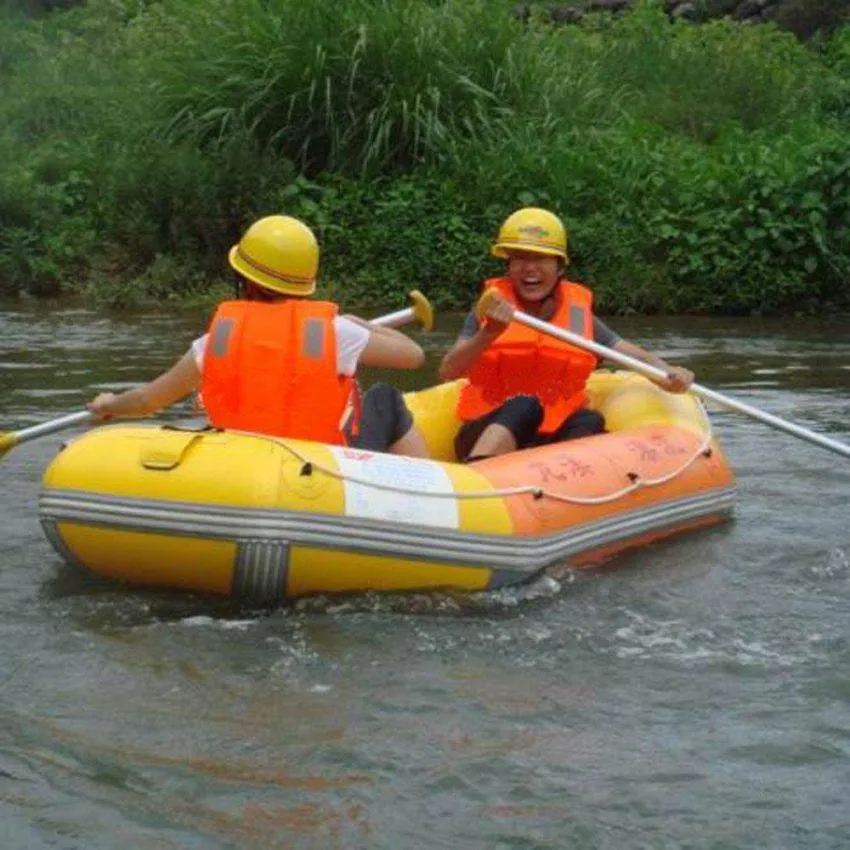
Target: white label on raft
pixel 403 481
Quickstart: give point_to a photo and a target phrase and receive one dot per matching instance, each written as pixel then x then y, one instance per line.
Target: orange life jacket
pixel 525 361
pixel 271 368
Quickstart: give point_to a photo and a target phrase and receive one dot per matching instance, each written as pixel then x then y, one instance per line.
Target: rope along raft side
pixel 265 519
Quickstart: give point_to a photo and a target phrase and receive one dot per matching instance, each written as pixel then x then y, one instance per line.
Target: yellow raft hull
pixel 264 519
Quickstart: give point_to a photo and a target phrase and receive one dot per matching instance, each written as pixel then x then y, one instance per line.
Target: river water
pixel 694 694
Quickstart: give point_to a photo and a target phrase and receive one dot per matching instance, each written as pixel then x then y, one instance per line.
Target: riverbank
pixel 698 169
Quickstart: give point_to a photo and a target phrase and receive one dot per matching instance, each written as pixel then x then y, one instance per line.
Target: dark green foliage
pixel 375 247
pixel 768 240
pixel 697 168
pixel 34 8
pixel 809 18
pixel 380 248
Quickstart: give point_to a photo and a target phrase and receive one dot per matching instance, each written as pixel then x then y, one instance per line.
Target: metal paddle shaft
pixel 393 320
pixel 420 311
pixel 703 392
pixel 14 438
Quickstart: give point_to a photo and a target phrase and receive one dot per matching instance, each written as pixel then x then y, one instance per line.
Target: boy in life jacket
pixel 275 362
pixel 527 388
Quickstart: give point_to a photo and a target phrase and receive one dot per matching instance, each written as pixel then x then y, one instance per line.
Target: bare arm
pixel 461 357
pixel 678 378
pixel 388 348
pixel 180 380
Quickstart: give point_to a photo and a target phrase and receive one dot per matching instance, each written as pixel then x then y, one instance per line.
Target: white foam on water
pixel 538 634
pixel 543 587
pixel 202 620
pixel 436 602
pixel 379 603
pixel 755 653
pixel 837 565
pixel 676 640
pixel 294 655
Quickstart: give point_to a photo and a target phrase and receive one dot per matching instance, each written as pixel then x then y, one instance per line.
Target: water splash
pixel 680 642
pixel 836 566
pixel 436 603
pixel 203 620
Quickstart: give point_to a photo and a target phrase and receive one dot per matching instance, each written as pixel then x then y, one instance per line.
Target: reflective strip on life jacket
pixel 271 368
pixel 525 361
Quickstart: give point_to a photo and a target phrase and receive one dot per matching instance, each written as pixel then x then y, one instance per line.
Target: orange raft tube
pixel 264 519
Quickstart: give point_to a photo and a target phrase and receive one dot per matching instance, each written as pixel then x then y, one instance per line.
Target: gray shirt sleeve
pixel 601 332
pixel 470 326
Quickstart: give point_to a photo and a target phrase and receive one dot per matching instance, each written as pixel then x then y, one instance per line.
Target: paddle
pixel 653 372
pixel 13 438
pixel 419 311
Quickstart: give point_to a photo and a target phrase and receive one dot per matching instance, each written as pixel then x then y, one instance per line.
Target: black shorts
pixel 523 415
pixel 384 419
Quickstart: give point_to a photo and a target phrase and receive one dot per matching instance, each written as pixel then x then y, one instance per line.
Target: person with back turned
pixel 278 363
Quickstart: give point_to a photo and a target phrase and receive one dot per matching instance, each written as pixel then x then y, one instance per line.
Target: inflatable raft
pixel 264 519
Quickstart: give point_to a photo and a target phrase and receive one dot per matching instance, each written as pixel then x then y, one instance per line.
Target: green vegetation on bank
pixel 698 168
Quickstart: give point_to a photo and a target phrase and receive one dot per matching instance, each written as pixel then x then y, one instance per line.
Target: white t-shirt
pixel 351 339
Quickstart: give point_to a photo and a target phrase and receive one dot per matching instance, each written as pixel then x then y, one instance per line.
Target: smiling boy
pixel 527 388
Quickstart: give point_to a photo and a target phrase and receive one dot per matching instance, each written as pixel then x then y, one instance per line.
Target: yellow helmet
pixel 531 229
pixel 278 253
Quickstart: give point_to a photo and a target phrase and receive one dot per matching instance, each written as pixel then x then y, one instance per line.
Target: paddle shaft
pixel 395 320
pixel 52 426
pixel 703 392
pixel 420 311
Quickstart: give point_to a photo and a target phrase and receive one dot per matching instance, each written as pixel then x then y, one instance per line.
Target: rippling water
pixel 694 694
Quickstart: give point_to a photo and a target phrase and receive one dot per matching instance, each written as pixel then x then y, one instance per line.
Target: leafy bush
pixel 695 80
pixel 697 168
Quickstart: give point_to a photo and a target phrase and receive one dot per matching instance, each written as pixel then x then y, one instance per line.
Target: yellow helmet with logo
pixel 278 253
pixel 531 229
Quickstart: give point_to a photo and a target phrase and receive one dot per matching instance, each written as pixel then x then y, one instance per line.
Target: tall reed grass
pixel 367 87
pixel 372 85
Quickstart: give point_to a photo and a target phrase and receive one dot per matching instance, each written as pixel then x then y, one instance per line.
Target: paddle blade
pixel 484 302
pixel 423 312
pixel 7 443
